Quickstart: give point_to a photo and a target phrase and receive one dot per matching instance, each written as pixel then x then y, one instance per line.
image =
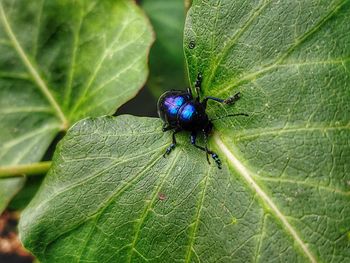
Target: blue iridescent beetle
pixel 180 111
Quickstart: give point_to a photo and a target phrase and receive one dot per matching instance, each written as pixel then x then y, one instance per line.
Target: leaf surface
pixel 284 190
pixel 60 62
pixel 291 62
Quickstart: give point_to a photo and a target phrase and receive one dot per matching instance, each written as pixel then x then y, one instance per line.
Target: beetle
pixel 180 111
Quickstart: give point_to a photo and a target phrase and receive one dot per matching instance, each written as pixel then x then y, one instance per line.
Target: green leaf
pixel 23 197
pixel 284 191
pixel 167 63
pixel 60 62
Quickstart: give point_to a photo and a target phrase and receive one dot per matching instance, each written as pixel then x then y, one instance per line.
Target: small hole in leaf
pixel 192 44
pixel 162 196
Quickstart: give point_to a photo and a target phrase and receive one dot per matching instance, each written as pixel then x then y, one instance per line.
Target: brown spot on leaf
pixel 162 196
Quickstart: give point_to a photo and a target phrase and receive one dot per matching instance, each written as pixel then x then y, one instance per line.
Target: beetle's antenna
pixel 231 115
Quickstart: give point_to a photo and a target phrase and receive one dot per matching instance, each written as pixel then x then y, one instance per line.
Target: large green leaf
pixel 61 61
pixel 284 191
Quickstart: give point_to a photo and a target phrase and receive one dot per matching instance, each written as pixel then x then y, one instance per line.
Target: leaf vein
pixel 278 131
pixel 259 243
pixel 265 68
pixel 99 88
pixel 255 13
pixel 93 176
pixel 149 206
pixel 113 197
pixel 246 174
pixel 197 217
pixel 71 69
pixel 292 181
pixel 26 136
pixel 100 63
pixel 32 70
pixel 38 22
pixel 24 109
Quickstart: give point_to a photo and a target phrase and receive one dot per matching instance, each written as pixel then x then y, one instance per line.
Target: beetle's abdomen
pixel 192 116
pixel 169 105
pixel 187 113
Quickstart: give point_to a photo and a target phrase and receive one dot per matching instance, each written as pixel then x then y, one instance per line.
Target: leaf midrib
pixel 235 163
pixel 40 83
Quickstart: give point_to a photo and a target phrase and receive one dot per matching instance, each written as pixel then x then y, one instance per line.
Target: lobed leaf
pixel 284 190
pixel 60 62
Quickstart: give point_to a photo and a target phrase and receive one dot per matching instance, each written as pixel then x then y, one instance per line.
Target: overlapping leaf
pixel 284 191
pixel 62 61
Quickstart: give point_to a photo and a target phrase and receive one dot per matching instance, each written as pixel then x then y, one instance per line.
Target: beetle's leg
pixel 205 149
pixel 189 91
pixel 193 142
pixel 198 84
pixel 166 127
pixel 230 100
pixel 172 145
pixel 212 154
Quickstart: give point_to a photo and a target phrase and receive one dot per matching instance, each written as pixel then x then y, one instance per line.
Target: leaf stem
pixel 25 169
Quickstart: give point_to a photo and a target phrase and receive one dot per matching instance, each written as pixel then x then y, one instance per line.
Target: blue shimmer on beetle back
pixel 173 104
pixel 187 112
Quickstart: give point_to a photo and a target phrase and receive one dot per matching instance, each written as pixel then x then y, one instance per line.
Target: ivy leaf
pixel 284 189
pixel 60 62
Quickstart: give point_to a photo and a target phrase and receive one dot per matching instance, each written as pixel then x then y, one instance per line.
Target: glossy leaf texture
pixel 284 189
pixel 291 62
pixel 60 62
pixel 167 65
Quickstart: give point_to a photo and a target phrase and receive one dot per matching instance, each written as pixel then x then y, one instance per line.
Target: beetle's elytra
pixel 180 111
